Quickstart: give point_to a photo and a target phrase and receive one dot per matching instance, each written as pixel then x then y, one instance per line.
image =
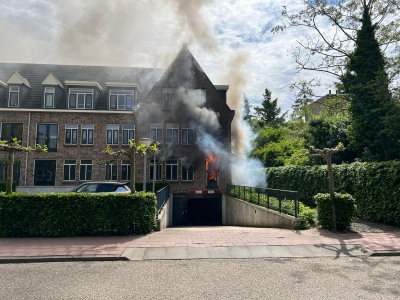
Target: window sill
pixel 70 145
pixel 86 145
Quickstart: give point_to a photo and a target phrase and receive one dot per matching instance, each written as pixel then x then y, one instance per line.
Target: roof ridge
pixel 76 65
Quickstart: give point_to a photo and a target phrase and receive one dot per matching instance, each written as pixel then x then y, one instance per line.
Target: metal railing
pixel 162 196
pixel 283 201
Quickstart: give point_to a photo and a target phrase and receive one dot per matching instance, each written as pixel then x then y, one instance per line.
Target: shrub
pixel 307 214
pixel 375 186
pixel 345 209
pixel 76 214
pixel 3 186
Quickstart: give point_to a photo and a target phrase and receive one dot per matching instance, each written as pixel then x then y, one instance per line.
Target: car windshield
pixel 87 188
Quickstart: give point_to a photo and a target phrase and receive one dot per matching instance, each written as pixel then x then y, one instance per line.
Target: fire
pixel 212 167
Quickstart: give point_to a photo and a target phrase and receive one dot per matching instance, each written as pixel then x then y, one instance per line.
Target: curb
pixel 386 253
pixel 39 259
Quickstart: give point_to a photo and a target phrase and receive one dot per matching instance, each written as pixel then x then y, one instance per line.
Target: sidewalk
pixel 201 242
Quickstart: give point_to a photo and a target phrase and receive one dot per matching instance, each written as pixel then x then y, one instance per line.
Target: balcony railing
pixel 162 196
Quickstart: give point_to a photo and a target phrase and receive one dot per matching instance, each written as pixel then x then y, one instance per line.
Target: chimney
pixel 184 45
pixel 329 92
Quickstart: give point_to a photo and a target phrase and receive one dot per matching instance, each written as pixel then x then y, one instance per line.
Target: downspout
pixel 27 145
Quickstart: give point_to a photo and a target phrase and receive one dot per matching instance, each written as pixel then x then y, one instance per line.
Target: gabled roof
pixel 18 79
pixel 38 73
pixel 52 80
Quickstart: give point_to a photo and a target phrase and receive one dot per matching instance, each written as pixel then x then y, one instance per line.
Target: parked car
pixel 103 187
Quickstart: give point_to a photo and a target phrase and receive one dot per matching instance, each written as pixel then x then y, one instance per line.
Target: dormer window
pixel 168 95
pixel 14 96
pixel 49 96
pixel 122 99
pixel 80 98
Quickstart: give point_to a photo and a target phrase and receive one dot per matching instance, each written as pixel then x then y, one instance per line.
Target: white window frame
pixel 83 163
pixel 187 130
pixel 168 97
pixel 112 166
pixel 74 129
pixel 128 131
pixel 158 170
pixel 112 129
pixel 47 91
pixel 156 129
pixel 172 133
pixel 68 163
pixel 77 92
pixel 123 93
pixel 88 128
pixel 128 171
pixel 186 172
pixel 173 163
pixel 17 90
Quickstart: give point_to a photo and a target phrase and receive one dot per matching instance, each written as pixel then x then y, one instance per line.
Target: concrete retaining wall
pixel 164 218
pixel 242 213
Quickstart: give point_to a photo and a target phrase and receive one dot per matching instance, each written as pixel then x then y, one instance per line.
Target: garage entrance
pixel 198 210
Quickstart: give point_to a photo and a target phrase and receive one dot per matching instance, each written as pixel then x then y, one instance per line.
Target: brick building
pixel 77 110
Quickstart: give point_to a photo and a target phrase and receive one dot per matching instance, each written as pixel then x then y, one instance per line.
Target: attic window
pixel 80 98
pixel 168 95
pixel 49 97
pixel 121 99
pixel 14 96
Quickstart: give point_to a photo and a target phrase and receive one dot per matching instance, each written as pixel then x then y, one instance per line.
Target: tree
pixel 131 154
pixel 327 51
pixel 10 147
pixel 268 113
pixel 247 115
pixel 372 108
pixel 326 154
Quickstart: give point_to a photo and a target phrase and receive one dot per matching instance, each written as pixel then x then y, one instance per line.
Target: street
pixel 301 278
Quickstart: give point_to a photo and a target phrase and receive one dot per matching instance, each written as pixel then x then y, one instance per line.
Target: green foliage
pixel 375 186
pixel 76 214
pixel 268 113
pixel 374 115
pixel 345 208
pixel 3 186
pixel 307 214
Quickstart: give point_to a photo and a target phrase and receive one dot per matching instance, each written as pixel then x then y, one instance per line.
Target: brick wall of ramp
pixel 164 219
pixel 242 213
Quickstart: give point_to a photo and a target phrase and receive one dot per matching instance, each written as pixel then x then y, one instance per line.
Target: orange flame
pixel 212 166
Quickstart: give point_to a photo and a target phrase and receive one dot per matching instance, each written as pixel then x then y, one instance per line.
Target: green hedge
pixel 345 209
pixel 76 214
pixel 375 186
pixel 3 186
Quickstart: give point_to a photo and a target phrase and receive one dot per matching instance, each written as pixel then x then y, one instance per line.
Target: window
pixel 71 134
pixel 156 132
pixel 47 134
pixel 87 134
pixel 122 99
pixel 128 133
pixel 85 172
pixel 187 173
pixel 172 133
pixel 80 98
pixel 125 171
pixel 16 171
pixel 13 100
pixel 111 171
pixel 45 172
pixel 187 136
pixel 69 169
pixel 171 170
pixel 112 134
pixel 10 131
pixel 168 95
pixel 158 170
pixel 49 96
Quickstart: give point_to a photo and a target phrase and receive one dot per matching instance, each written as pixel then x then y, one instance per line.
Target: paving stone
pixel 176 253
pixel 198 252
pixel 259 251
pixel 280 251
pixel 134 253
pixel 154 253
pixel 239 252
pixel 219 252
pixel 300 251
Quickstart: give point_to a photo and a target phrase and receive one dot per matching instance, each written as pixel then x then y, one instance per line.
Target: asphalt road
pixel 305 278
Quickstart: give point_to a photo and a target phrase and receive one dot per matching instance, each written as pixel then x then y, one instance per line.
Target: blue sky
pixel 230 39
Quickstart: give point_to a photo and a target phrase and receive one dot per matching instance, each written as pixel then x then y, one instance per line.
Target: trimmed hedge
pixel 76 214
pixel 3 186
pixel 375 186
pixel 345 209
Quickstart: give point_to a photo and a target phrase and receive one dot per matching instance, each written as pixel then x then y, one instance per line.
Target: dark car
pixel 103 187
